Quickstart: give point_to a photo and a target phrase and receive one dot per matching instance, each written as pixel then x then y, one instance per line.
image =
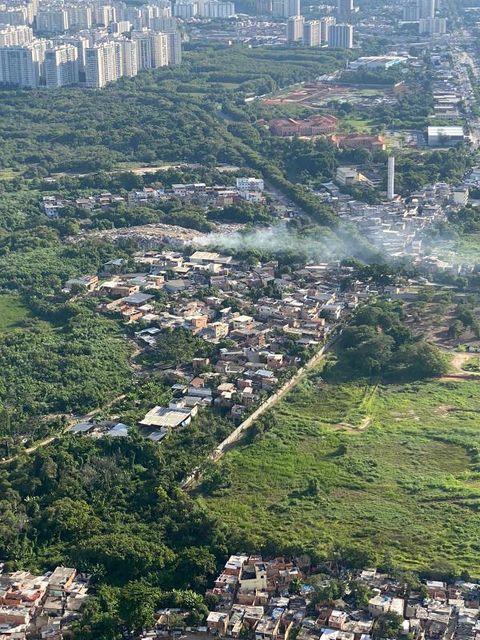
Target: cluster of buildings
pixel 400 227
pixel 255 600
pixel 213 9
pixel 90 44
pixel 316 33
pixel 447 90
pixel 246 189
pixel 273 319
pixel 312 126
pixel 423 12
pixel 42 606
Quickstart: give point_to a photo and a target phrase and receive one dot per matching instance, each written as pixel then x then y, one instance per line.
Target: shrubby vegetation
pixel 376 343
pixel 110 508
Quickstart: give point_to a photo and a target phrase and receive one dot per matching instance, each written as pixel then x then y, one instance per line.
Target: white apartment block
pixel 295 28
pixel 61 66
pixel 22 66
pixel 100 67
pixel 104 14
pixel 185 10
pixel 250 184
pixel 52 20
pixel 340 36
pixel 217 9
pixel 312 36
pixel 81 43
pixel 174 42
pixel 432 26
pixel 152 49
pixel 15 15
pixel 126 58
pixel 79 16
pixel 325 24
pixel 11 36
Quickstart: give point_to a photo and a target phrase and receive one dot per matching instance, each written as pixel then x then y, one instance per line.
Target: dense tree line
pixel 376 343
pixel 109 508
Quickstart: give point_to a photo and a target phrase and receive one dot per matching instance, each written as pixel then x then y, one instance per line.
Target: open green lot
pixel 396 467
pixel 12 312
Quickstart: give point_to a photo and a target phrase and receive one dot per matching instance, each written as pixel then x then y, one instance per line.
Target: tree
pixel 137 604
pixel 387 625
pixel 194 567
pixel 359 595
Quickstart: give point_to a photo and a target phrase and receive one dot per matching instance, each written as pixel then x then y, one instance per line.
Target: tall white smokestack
pixel 391 178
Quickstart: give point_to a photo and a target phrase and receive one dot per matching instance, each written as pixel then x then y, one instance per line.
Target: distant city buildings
pixel 432 26
pixel 61 66
pixel 285 8
pixel 312 36
pixel 295 26
pixel 89 43
pixel 214 9
pixel 316 33
pixel 340 36
pixel 415 10
pixel 325 24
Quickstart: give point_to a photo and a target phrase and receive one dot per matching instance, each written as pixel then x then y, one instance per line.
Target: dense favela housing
pixel 40 606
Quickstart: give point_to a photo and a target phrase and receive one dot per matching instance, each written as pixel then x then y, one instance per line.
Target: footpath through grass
pixel 396 466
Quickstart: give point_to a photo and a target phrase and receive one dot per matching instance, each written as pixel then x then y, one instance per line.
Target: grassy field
pixel 12 312
pixel 395 466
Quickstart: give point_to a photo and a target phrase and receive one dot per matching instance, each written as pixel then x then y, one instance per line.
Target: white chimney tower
pixel 391 178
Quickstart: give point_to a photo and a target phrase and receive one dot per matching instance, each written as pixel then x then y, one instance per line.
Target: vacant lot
pixel 395 465
pixel 12 312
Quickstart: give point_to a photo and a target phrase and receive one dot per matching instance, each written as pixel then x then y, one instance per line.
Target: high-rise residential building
pixel 410 11
pixel 174 43
pixel 159 49
pixel 340 36
pixel 164 24
pixel 325 24
pixel 52 20
pixel 291 8
pixel 61 66
pixel 15 15
pixel 79 16
pixel 426 9
pixel 22 66
pixel 11 36
pixel 285 8
pixel 152 49
pixel 312 36
pixel 120 27
pixel 345 7
pixel 185 10
pixel 101 66
pixel 144 49
pixel 104 14
pixel 432 26
pixel 295 28
pixel 217 9
pixel 81 43
pixel 125 58
pixel 263 7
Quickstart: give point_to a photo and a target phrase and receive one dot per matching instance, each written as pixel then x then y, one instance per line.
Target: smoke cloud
pixel 276 239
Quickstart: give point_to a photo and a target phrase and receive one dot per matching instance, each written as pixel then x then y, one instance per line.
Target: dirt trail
pixel 459 359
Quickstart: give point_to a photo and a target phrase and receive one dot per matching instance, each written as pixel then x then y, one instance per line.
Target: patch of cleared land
pixel 12 312
pixel 397 466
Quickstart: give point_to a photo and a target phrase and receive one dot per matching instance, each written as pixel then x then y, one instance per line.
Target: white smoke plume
pixel 276 239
